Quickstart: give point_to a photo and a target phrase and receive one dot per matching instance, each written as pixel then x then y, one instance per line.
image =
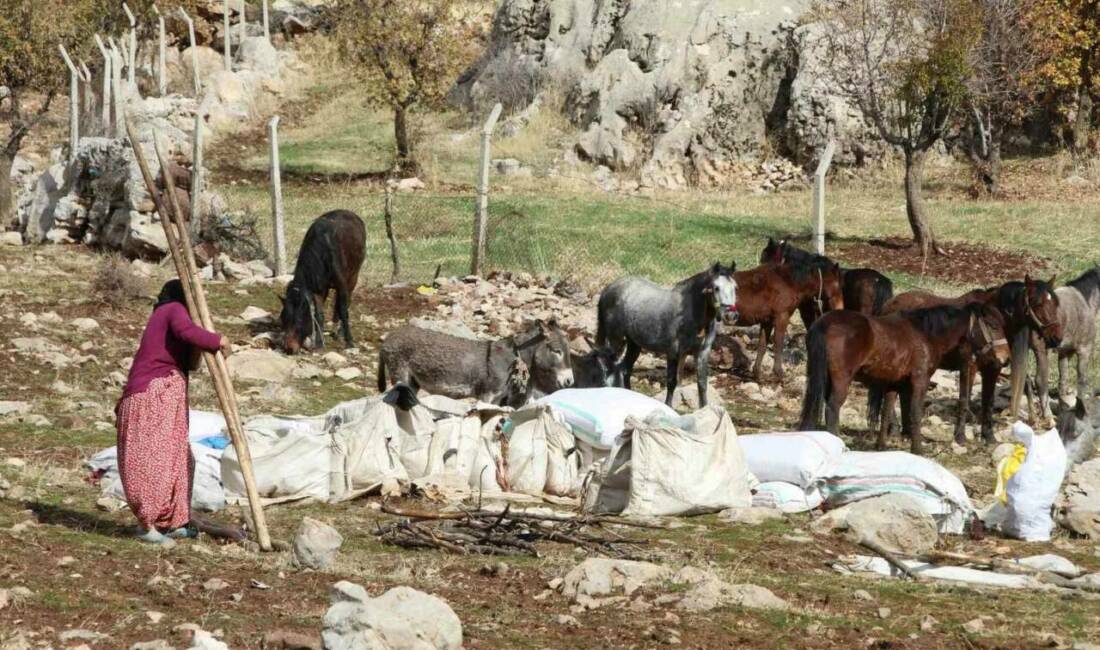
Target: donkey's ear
pixel 733 266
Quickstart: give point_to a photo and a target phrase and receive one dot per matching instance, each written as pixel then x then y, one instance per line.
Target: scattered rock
pixel 154 617
pixel 85 324
pixel 752 516
pixel 567 620
pixel 261 366
pixel 5 599
pixel 255 315
pixel 974 626
pixel 349 374
pixel 235 270
pixel 1052 563
pixel 884 612
pixel 335 359
pixel 896 521
pixel 928 623
pixel 713 593
pixel 597 577
pixel 66 561
pixel 287 640
pixel 260 269
pixel 17 463
pixel 203 640
pixel 861 594
pixel 8 407
pixel 156 644
pixel 215 584
pixel 686 396
pixel 82 635
pixel 402 618
pixel 454 328
pixel 409 185
pixel 316 544
pixel 11 238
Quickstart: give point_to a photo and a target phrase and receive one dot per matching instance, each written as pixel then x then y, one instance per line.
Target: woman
pixel 154 454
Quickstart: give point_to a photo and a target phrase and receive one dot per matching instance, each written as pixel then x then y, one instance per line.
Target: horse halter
pixel 987 336
pixel 819 300
pixel 1038 322
pixel 318 326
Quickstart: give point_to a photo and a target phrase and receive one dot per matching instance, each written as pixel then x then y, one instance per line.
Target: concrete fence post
pixel 267 22
pixel 131 61
pixel 194 53
pixel 481 218
pixel 818 210
pixel 116 89
pixel 225 38
pixel 197 179
pixel 108 62
pixel 74 102
pixel 277 198
pixel 162 65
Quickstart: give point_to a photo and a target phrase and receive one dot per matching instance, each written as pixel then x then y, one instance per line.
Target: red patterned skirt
pixel 154 454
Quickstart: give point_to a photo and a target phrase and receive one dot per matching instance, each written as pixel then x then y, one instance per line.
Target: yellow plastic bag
pixel 1008 466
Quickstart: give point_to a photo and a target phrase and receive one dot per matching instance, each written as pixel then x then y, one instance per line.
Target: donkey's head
pixel 545 347
pixel 300 320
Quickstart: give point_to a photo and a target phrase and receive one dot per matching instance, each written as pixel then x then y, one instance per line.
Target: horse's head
pixel 987 336
pixel 547 347
pixel 832 286
pixel 774 252
pixel 721 287
pixel 300 320
pixel 1040 303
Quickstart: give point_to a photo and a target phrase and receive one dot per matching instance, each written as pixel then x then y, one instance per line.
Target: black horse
pixel 329 260
pixel 865 290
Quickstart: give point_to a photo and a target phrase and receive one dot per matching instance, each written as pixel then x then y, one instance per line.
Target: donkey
pixel 769 295
pixel 865 290
pixel 510 371
pixel 675 322
pixel 899 352
pixel 598 368
pixel 330 258
pixel 1078 309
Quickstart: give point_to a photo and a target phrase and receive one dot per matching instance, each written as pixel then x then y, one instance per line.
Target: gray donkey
pixel 510 371
pixel 675 322
pixel 1078 308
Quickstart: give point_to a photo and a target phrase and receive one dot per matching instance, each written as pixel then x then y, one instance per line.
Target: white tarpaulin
pixel 675 466
pixel 868 564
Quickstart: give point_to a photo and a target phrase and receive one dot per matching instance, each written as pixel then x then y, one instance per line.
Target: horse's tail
pixel 875 396
pixel 817 378
pixel 883 292
pixel 381 373
pixel 601 322
pixel 1019 345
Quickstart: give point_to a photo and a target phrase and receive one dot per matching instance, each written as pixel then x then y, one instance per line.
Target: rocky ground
pixel 71 577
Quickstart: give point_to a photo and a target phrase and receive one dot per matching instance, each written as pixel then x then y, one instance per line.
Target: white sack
pixel 693 468
pixel 288 464
pixel 366 451
pixel 857 475
pixel 785 497
pixel 526 432
pixel 207 494
pixel 797 457
pixel 204 424
pixel 598 415
pixel 1034 487
pixel 607 485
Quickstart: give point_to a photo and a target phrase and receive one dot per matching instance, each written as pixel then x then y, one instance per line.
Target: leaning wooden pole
pixel 196 303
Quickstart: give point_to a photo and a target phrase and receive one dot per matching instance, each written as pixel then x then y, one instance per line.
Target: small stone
pixel 5 599
pixel 974 626
pixel 861 594
pixel 85 324
pixel 567 620
pixel 884 612
pixel 287 640
pixel 215 584
pixel 13 408
pixel 252 314
pixel 81 635
pixel 335 359
pixel 349 374
pixel 316 544
pixel 156 644
pixel 11 238
pixel 154 617
pixel 260 269
pixel 17 463
pixel 66 561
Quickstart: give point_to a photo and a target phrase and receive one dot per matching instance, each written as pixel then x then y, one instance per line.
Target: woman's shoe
pixel 154 536
pixel 183 532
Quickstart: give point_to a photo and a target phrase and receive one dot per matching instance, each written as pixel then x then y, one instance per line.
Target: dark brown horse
pixel 899 352
pixel 329 260
pixel 865 290
pixel 769 294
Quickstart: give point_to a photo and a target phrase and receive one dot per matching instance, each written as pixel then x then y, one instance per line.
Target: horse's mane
pixel 1010 292
pixel 1088 284
pixel 803 264
pixel 937 321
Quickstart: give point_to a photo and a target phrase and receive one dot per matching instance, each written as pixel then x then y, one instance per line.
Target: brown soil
pixel 964 264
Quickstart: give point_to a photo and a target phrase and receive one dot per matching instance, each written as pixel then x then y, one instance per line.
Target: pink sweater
pixel 166 346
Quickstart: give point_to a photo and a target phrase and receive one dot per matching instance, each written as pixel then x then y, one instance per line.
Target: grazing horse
pixel 1078 308
pixel 677 322
pixel 769 294
pixel 865 290
pixel 900 351
pixel 329 260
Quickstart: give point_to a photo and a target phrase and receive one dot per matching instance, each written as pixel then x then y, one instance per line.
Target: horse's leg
pixel 989 393
pixel 1063 376
pixel 915 409
pixel 1042 363
pixel 672 374
pixel 343 300
pixel 778 341
pixel 1084 354
pixel 632 352
pixel 839 384
pixel 966 386
pixel 886 420
pixel 702 364
pixel 758 365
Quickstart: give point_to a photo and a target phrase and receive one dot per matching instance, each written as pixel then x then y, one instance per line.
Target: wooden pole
pixel 74 103
pixel 267 23
pixel 107 61
pixel 116 88
pixel 481 218
pixel 162 65
pixel 225 39
pixel 818 215
pixel 133 46
pixel 277 198
pixel 194 52
pixel 197 179
pixel 388 217
pixel 186 269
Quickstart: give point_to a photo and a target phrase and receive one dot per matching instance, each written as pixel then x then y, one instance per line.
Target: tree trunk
pixel 7 201
pixel 1083 124
pixel 993 182
pixel 401 135
pixel 914 202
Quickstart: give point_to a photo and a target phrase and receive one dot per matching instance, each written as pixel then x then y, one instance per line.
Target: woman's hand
pixel 225 346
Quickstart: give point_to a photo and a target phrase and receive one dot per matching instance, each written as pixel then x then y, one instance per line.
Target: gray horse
pixel 676 322
pixel 1078 308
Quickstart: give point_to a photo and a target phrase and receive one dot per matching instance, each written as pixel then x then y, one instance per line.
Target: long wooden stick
pixel 196 304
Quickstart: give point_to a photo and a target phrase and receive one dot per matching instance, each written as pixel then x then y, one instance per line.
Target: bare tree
pixel 1003 65
pixel 904 63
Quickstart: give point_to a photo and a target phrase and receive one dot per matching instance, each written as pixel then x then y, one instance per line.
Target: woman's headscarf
pixel 172 291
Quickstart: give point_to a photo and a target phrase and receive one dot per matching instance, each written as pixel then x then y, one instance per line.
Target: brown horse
pixel 865 290
pixel 329 260
pixel 899 352
pixel 769 294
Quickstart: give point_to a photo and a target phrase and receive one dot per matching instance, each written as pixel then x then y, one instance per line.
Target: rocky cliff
pixel 681 92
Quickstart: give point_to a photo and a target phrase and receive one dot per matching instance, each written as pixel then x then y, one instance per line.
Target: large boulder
pixel 400 619
pixel 894 521
pixel 316 544
pixel 261 366
pixel 685 92
pixel 597 577
pixel 1079 504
